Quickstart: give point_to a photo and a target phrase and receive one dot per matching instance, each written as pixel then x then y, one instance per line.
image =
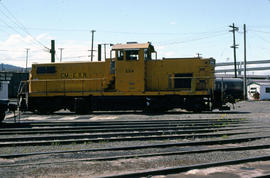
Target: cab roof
pixel 132 46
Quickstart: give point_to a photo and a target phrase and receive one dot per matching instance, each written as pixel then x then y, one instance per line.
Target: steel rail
pixel 65 131
pixel 85 138
pixel 164 145
pixel 111 158
pixel 57 122
pixel 107 135
pixel 23 125
pixel 263 176
pixel 175 170
pixel 126 121
pixel 131 126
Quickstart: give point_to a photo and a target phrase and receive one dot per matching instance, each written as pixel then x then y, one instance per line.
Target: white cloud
pixel 15 46
pixel 15 50
pixel 172 23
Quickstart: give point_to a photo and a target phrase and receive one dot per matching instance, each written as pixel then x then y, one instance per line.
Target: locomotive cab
pixel 130 66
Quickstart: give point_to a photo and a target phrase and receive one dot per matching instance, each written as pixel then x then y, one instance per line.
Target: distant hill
pixel 8 67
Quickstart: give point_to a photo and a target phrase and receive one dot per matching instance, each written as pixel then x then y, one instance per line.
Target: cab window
pixel 132 55
pixel 147 55
pixel 120 55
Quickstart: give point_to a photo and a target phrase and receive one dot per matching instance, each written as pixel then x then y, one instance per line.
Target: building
pixel 3 99
pixel 259 90
pixel 14 79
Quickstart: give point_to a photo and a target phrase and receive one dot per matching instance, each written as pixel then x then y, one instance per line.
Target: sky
pixel 177 28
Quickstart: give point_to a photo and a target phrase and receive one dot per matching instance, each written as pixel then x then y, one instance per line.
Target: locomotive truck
pixel 131 79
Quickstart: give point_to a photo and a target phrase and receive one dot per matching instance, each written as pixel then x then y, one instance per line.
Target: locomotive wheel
pixel 45 110
pixel 197 109
pixel 196 105
pixel 81 106
pixel 154 105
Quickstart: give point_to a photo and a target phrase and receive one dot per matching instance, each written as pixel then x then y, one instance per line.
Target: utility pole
pixel 52 51
pixel 245 63
pixel 92 31
pixel 234 46
pixel 26 60
pixel 61 49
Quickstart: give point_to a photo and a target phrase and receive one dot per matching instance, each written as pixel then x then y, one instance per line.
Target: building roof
pixel 261 83
pixel 131 46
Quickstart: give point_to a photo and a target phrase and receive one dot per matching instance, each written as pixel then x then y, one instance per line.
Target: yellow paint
pixel 135 74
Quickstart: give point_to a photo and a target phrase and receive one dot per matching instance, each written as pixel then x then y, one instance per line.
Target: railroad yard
pixel 234 143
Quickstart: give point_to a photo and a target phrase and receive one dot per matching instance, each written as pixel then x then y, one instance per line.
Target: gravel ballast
pixel 255 113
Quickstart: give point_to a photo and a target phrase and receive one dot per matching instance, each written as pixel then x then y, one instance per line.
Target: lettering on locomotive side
pixel 129 70
pixel 74 75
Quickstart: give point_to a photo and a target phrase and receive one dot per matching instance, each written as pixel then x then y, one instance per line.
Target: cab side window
pixel 120 55
pixel 147 55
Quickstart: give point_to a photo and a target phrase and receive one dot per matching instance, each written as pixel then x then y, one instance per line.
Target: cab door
pixel 130 70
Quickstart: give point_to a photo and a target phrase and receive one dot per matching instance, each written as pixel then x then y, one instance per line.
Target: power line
pixel 161 33
pixel 124 32
pixel 20 25
pixel 2 30
pixel 12 28
pixel 72 57
pixel 260 31
pixel 193 39
pixel 261 38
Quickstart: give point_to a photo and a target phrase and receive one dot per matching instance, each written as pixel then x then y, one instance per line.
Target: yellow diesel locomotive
pixel 133 79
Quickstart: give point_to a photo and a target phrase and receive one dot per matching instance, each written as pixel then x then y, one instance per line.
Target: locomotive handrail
pixel 191 77
pixel 22 87
pixel 64 81
pixel 41 80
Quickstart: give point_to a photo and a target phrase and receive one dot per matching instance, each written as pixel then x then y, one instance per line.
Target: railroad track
pixel 108 124
pixel 184 130
pixel 128 156
pixel 146 130
pixel 178 139
pixel 179 169
pixel 65 127
pixel 165 145
pixel 68 139
pixel 171 170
